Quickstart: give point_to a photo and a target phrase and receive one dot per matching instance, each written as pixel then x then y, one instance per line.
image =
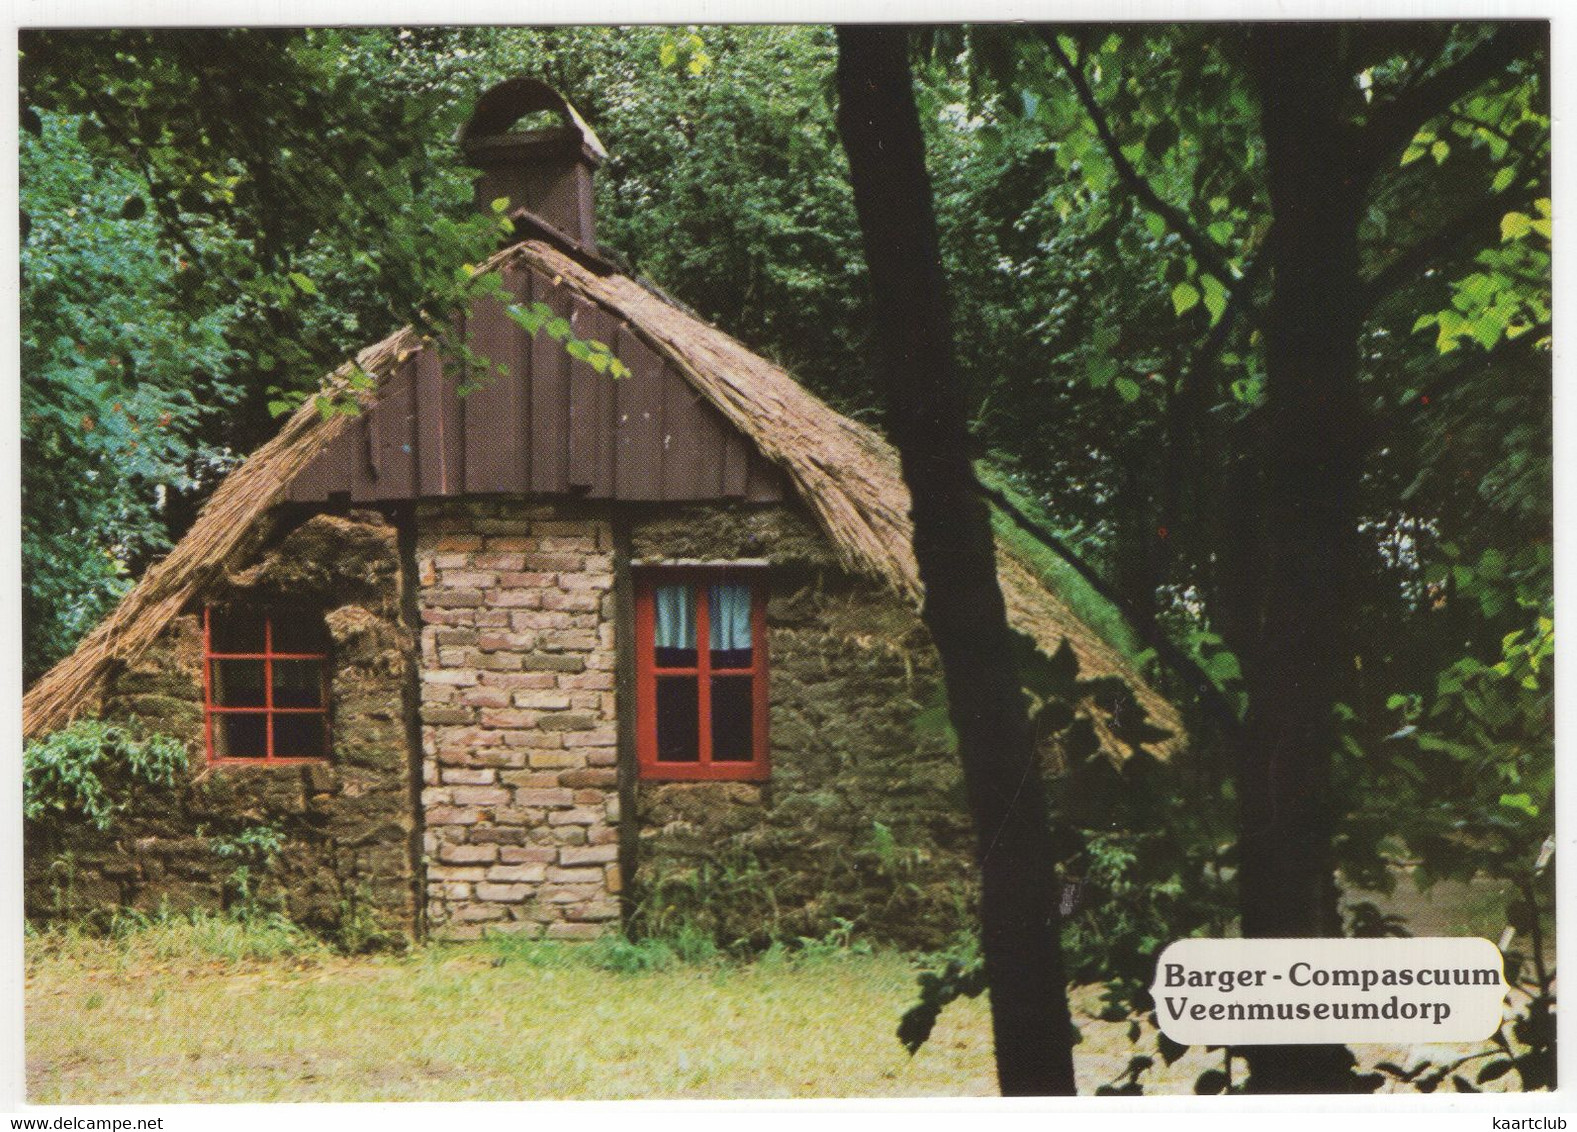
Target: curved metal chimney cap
pixel 509 101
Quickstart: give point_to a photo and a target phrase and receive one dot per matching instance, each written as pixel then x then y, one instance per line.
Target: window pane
pixel 238 683
pixel 300 634
pixel 732 730
pixel 678 720
pixel 299 736
pixel 243 735
pixel 298 683
pixel 675 626
pixel 234 632
pixel 728 608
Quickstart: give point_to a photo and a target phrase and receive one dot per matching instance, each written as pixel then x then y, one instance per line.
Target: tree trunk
pixel 1295 566
pixel 955 551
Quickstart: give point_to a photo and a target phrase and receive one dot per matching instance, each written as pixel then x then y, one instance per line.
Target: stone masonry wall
pixel 346 864
pixel 864 820
pixel 518 722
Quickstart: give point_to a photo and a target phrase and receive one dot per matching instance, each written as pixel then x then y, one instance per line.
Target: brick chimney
pixel 547 172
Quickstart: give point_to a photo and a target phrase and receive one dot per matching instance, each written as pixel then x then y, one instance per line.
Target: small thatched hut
pixel 499 657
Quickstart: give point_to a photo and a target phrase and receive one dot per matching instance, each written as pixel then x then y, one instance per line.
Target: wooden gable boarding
pixel 549 424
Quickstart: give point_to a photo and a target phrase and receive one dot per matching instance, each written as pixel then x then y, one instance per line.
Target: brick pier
pixel 518 722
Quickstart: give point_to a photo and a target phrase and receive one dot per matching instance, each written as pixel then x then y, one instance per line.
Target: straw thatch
pixel 844 471
pixel 233 520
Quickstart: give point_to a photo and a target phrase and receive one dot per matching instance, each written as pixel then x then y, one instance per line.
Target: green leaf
pixel 1215 297
pixel 558 328
pixel 500 205
pixel 1127 388
pixel 1503 179
pixel 528 319
pixel 1184 298
pixel 1515 225
pixel 1101 371
pixel 1521 802
pixel 306 286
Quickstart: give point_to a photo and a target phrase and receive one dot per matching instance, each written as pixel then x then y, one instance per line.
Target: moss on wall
pixel 864 818
pixel 346 823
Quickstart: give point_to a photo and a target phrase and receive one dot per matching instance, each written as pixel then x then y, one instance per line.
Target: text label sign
pixel 1286 991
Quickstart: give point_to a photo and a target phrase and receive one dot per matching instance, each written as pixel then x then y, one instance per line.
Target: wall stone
pixel 347 822
pixel 864 818
pixel 520 760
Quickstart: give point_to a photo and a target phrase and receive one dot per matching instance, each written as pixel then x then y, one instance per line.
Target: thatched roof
pixel 844 472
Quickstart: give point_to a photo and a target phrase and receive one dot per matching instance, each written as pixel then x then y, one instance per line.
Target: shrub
pixel 84 770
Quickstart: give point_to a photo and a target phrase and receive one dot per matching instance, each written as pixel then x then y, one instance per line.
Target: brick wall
pixel 517 685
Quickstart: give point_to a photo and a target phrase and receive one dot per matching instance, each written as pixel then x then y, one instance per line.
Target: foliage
pixel 196 253
pixel 117 384
pixel 1146 849
pixel 955 978
pixel 358 930
pixel 88 770
pixel 254 849
pixel 683 946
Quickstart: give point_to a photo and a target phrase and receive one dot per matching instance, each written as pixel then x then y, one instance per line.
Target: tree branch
pixel 1215 702
pixel 1393 124
pixel 1206 250
pixel 1443 240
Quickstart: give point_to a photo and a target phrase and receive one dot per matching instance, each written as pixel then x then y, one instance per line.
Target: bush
pixel 86 770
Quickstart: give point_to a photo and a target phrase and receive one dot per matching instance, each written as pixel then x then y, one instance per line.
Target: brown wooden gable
pixel 550 425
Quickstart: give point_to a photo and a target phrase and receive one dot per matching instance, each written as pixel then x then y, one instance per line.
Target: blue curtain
pixel 676 617
pixel 729 609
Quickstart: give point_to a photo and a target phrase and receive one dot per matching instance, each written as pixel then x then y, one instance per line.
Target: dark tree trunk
pixel 953 546
pixel 1295 563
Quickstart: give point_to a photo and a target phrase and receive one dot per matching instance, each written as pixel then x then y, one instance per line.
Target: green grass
pixel 206 1009
pixel 133 937
pixel 116 1022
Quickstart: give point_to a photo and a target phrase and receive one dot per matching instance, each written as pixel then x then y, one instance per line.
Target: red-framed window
pixel 701 712
pixel 265 686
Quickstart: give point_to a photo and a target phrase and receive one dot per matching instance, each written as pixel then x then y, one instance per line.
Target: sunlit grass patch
pixel 497 1020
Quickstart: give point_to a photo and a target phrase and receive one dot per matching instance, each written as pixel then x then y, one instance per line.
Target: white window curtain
pixel 728 606
pixel 676 617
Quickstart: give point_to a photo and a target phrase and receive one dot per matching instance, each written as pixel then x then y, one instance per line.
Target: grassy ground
pixel 451 1024
pixel 178 1013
